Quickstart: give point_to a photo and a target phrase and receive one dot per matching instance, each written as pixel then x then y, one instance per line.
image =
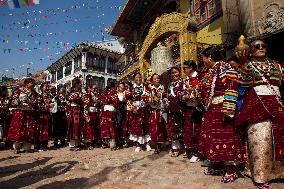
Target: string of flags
pixel 22 3
pixel 39 18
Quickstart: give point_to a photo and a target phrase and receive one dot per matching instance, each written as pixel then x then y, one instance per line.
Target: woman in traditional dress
pixel 60 123
pixel 75 115
pixel 219 139
pixel 108 119
pixel 262 115
pixel 23 124
pixel 91 132
pixel 43 117
pixel 138 128
pixel 192 115
pixel 175 115
pixel 157 120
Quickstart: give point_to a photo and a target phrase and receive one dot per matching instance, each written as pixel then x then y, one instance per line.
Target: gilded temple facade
pixel 185 27
pixel 189 26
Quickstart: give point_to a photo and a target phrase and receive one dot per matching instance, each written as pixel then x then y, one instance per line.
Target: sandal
pixel 16 151
pixel 213 172
pixel 264 186
pixel 174 153
pixel 228 178
pixel 90 148
pixel 104 146
pixel 125 145
pixel 186 155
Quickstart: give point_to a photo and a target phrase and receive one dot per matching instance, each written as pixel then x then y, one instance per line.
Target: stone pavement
pixel 102 168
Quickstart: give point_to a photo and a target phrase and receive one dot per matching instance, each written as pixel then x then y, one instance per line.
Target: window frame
pixel 197 10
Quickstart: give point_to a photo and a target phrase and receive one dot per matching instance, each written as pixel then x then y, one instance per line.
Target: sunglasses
pixel 259 46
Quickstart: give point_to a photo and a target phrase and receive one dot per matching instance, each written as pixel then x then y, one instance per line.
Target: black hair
pixel 28 80
pixel 190 63
pixel 110 85
pixel 136 75
pixel 256 39
pixel 123 83
pixel 3 91
pixel 175 68
pixel 43 84
pixel 214 52
pixel 129 83
pixel 152 77
pixel 75 82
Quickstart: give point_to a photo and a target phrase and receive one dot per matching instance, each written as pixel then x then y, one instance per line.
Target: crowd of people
pixel 229 114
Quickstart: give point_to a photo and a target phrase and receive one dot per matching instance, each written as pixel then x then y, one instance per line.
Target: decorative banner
pixel 22 3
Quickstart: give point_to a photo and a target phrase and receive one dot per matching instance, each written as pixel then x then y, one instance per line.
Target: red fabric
pixel 219 140
pixel 91 129
pixel 253 110
pixel 125 125
pixel 108 124
pixel 74 123
pixel 174 126
pixel 137 123
pixel 191 130
pixel 260 108
pixel 157 129
pixel 43 122
pixel 23 126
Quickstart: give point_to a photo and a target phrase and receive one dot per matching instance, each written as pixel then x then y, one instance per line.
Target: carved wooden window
pixel 77 62
pixel 68 68
pixel 90 59
pixel 53 77
pixel 60 73
pixel 112 67
pixel 205 10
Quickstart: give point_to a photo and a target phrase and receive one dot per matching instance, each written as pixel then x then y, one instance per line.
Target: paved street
pixel 102 168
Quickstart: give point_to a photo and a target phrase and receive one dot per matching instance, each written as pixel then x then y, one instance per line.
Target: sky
pixel 35 37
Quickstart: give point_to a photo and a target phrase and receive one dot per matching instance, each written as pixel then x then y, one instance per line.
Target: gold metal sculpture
pixel 164 26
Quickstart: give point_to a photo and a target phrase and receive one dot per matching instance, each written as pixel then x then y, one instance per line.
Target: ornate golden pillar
pixel 188 47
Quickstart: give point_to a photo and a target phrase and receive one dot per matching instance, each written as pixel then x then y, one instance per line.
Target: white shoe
pixel 137 149
pixel 193 159
pixel 148 148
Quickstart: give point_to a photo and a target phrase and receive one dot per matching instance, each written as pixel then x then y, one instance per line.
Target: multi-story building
pixel 93 63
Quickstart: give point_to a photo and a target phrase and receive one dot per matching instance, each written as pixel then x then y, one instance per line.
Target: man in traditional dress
pixel 60 118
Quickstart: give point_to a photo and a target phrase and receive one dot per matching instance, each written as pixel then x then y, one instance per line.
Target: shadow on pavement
pixel 11 169
pixel 8 158
pixel 35 176
pixel 76 183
